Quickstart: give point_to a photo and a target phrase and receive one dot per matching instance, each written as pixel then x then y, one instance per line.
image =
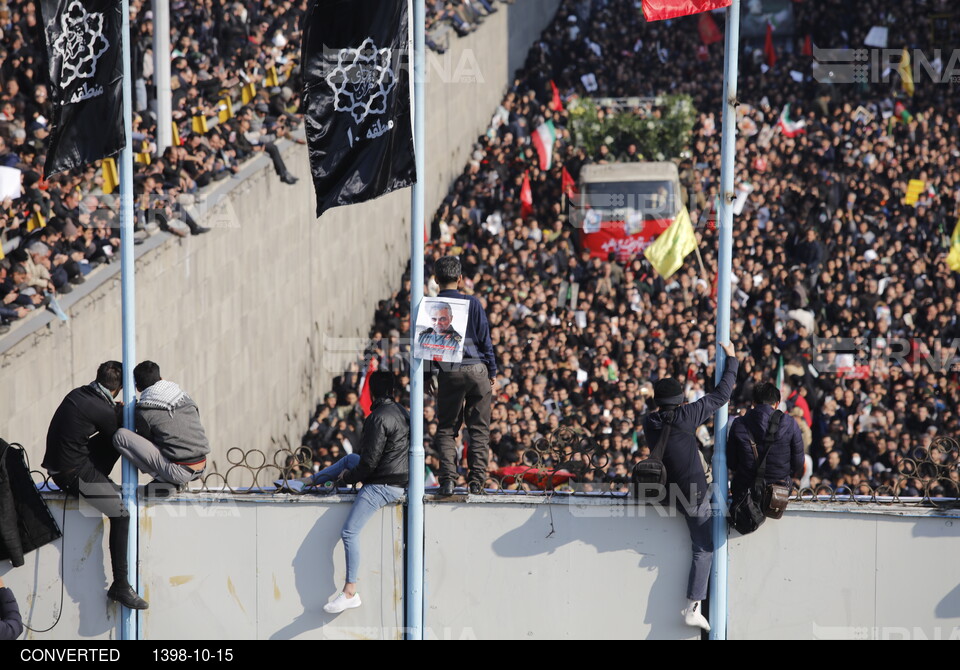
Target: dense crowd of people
pixel 460 16
pixel 62 227
pixel 838 283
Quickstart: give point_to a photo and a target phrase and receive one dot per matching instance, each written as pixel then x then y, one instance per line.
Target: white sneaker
pixel 341 603
pixel 692 616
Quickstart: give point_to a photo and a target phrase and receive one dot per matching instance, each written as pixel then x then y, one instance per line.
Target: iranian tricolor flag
pixel 543 140
pixel 658 10
pixel 788 126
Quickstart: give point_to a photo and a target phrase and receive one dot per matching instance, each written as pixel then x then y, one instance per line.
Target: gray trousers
pixel 144 454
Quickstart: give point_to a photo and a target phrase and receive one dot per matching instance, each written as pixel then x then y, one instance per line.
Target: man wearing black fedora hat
pixel 686 478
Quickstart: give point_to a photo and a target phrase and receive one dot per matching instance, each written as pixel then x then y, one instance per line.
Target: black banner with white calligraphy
pixel 86 74
pixel 356 92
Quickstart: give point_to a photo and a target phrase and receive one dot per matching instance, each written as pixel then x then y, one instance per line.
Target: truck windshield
pixel 623 200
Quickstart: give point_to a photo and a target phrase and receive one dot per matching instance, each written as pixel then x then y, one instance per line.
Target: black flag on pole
pixel 86 74
pixel 356 93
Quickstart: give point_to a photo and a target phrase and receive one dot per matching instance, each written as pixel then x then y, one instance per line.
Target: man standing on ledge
pixel 80 457
pixel 686 479
pixel 465 390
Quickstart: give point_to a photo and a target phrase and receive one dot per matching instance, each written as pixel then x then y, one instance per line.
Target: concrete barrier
pixel 848 573
pixel 219 567
pixel 256 317
pixel 261 567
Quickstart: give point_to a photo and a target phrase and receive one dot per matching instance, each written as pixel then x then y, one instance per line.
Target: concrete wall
pixel 239 567
pixel 223 568
pixel 583 571
pixel 250 317
pixel 829 575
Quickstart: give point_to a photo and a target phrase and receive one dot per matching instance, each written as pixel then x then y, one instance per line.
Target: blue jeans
pixel 348 462
pixel 370 498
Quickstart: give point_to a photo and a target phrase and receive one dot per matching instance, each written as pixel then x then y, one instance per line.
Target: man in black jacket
pixel 11 625
pixel 686 478
pixel 80 457
pixel 786 452
pixel 382 467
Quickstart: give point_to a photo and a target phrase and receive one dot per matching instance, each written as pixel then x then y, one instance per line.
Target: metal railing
pixel 570 462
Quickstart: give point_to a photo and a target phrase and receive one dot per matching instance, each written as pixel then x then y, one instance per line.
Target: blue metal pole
pixel 414 591
pixel 731 59
pixel 128 625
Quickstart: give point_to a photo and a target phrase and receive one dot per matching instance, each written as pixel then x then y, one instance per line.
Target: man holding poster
pixel 464 389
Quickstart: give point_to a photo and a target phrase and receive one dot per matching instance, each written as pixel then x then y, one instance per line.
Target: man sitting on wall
pixel 80 457
pixel 170 444
pixel 382 467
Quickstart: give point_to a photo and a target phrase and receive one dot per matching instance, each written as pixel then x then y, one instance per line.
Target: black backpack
pixel 748 513
pixel 650 476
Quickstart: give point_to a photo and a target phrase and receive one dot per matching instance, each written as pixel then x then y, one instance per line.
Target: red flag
pixel 658 10
pixel 709 33
pixel 556 104
pixel 567 184
pixel 366 401
pixel 807 47
pixel 526 197
pixel 768 49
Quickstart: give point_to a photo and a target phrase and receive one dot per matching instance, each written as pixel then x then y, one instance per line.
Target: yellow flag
pixel 271 79
pixel 906 72
pixel 225 112
pixel 36 221
pixel 176 135
pixel 953 260
pixel 248 92
pixel 667 253
pixel 199 124
pixel 111 178
pixel 914 189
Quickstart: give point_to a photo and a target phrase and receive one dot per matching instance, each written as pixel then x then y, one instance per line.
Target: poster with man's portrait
pixel 441 328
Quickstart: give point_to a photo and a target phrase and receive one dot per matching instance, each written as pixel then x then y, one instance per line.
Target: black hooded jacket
pixel 681 456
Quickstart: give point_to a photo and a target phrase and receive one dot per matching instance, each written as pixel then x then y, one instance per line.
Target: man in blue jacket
pixel 686 478
pixel 465 390
pixel 786 452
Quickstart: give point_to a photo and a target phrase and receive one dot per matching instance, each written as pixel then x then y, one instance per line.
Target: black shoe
pixel 159 490
pixel 124 594
pixel 446 488
pixel 199 230
pixel 289 179
pixel 476 489
pixel 65 289
pixel 77 280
